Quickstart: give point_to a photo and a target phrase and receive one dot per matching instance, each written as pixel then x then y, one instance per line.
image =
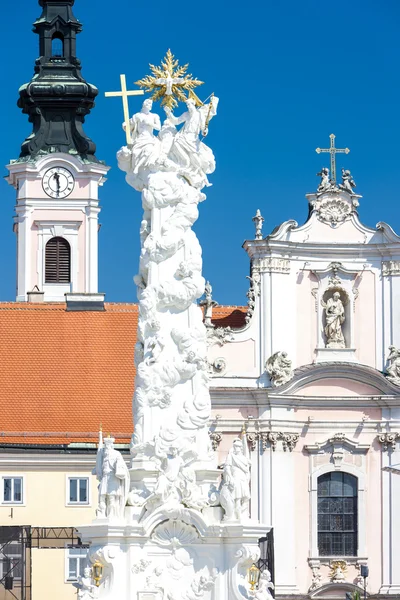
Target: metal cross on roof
pixel 333 151
pixel 124 93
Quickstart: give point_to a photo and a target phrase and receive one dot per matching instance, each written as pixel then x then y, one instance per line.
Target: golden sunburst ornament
pixel 169 82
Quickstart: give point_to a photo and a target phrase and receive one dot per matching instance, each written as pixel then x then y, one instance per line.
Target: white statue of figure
pixel 334 318
pixel 235 489
pixel 348 183
pixel 113 476
pixel 279 368
pixel 200 584
pixel 145 151
pixel 325 183
pixel 176 482
pixel 264 586
pixel 393 369
pixel 86 589
pixel 195 159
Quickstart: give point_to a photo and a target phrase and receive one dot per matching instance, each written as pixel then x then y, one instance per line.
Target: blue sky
pixel 287 73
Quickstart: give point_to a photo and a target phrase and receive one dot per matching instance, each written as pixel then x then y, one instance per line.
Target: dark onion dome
pixel 58 98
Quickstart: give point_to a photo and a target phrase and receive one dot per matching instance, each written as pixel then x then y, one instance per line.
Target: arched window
pixel 58 261
pixel 337 514
pixel 57 45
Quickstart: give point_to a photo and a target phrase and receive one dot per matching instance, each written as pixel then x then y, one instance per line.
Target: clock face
pixel 58 182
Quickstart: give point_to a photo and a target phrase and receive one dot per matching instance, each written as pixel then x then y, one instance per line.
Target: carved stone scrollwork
pixel 289 440
pixel 215 439
pixel 174 533
pixel 316 581
pixel 390 267
pixel 219 335
pixel 388 440
pixel 252 440
pixel 252 294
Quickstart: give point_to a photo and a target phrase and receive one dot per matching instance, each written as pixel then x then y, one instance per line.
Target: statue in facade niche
pixel 334 319
pixel 113 476
pixel 279 368
pixel 393 370
pixel 348 183
pixel 235 489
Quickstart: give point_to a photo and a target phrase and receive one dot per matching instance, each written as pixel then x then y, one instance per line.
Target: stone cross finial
pixel 258 221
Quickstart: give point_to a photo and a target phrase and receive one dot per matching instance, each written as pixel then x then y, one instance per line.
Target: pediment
pixel 338 379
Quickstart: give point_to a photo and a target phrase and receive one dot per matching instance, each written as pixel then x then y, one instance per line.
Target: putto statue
pixel 325 184
pixel 113 476
pixel 334 318
pixel 279 368
pixel 235 489
pixel 86 588
pixel 347 184
pixel 264 586
pixel 393 369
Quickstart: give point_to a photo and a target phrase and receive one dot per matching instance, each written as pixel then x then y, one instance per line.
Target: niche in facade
pixel 336 318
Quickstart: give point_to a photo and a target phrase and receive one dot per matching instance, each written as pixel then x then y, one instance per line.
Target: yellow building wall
pixel 45 505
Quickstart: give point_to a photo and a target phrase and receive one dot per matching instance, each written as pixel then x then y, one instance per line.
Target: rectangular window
pixel 12 490
pixel 76 562
pixel 78 490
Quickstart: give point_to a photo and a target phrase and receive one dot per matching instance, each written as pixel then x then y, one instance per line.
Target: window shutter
pixel 58 261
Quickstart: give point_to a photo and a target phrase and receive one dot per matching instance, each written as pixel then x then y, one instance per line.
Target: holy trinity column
pixel 180 529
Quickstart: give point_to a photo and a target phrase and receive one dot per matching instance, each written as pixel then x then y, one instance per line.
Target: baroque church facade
pixel 309 368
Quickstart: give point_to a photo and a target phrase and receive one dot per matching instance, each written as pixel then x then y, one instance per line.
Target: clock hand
pixel 57 179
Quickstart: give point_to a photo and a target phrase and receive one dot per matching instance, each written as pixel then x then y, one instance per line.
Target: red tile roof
pixel 63 373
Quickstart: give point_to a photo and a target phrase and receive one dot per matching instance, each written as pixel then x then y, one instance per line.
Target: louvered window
pixel 58 261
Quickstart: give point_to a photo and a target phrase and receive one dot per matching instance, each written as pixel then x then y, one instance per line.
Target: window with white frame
pixel 12 490
pixel 78 490
pixel 75 563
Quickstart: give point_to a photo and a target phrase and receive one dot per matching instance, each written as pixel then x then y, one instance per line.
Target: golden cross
pixel 124 93
pixel 333 151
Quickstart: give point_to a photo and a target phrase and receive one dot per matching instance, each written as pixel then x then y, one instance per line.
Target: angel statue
pixel 176 482
pixel 264 586
pixel 334 318
pixel 86 588
pixel 194 158
pixel 325 184
pixel 279 368
pixel 393 370
pixel 235 489
pixel 347 184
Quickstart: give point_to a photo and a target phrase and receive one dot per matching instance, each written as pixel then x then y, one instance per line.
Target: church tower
pixel 57 174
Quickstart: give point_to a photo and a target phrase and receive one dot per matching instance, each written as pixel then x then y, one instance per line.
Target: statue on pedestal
pixel 235 490
pixel 113 476
pixel 348 183
pixel 334 319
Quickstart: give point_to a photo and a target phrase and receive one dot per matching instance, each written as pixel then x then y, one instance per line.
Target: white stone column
pixel 91 263
pixel 391 520
pixel 24 250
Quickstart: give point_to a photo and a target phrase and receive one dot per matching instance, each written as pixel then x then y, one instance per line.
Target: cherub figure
pixel 86 589
pixel 325 184
pixel 347 184
pixel 264 586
